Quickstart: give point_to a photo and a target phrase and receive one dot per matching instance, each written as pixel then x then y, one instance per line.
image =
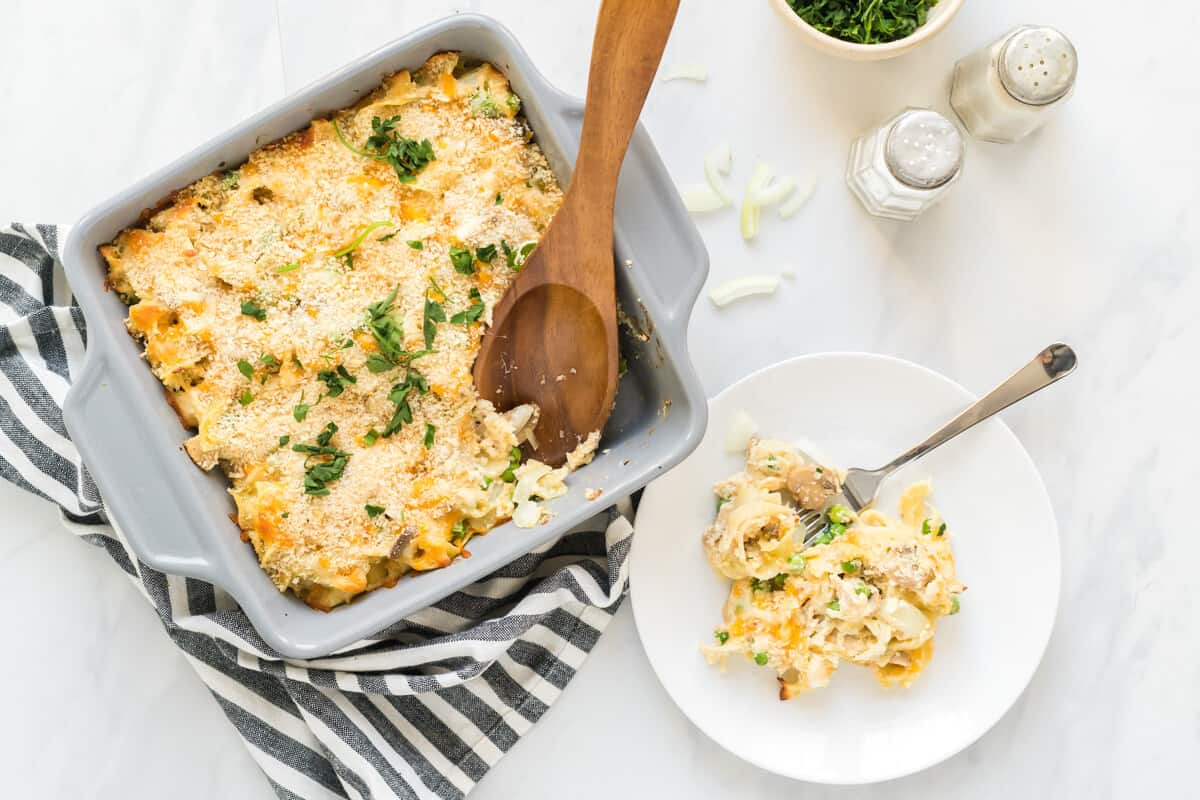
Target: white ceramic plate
pixel 860 410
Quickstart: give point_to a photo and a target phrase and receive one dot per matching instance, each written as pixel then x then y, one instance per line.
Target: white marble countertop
pixel 1088 233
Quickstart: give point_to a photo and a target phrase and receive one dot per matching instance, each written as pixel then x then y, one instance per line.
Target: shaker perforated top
pixel 924 149
pixel 1037 65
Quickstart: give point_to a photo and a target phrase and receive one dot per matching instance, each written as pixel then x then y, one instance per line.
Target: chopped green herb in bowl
pixel 864 21
pixel 867 29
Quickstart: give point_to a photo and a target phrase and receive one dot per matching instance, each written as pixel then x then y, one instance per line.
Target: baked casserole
pixel 868 589
pixel 315 314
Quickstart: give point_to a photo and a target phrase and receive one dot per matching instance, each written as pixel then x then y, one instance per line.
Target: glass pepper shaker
pixel 1007 90
pixel 904 166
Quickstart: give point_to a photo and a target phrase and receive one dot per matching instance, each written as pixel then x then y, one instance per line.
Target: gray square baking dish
pixel 175 516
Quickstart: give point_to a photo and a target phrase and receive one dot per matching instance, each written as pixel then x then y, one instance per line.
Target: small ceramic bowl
pixel 939 16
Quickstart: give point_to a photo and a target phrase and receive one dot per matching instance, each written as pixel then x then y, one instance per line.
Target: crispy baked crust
pixel 242 291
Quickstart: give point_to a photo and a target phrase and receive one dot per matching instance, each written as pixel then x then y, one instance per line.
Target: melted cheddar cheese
pixel 251 290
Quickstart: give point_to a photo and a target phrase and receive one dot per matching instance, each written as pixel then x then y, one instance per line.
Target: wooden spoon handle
pixel 629 42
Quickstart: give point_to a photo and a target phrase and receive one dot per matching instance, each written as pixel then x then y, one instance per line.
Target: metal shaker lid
pixel 923 149
pixel 1038 65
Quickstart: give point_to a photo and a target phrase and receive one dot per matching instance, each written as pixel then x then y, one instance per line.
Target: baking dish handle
pixel 141 492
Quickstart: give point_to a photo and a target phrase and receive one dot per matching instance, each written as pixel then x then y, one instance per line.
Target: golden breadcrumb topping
pixel 315 315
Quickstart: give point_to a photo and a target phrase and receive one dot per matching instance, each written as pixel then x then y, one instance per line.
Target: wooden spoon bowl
pixel 553 338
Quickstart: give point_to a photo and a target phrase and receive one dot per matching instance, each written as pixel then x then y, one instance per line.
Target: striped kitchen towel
pixel 421 710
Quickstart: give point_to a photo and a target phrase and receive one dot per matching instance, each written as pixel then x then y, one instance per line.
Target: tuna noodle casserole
pixel 315 314
pixel 868 588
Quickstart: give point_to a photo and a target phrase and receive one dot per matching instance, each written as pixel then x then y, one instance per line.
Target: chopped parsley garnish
pixel 434 313
pixel 283 440
pixel 471 313
pixel 300 411
pixel 323 463
pixel 862 22
pixel 514 461
pixel 761 659
pixel 864 589
pixel 346 251
pixel 721 501
pixel 400 395
pixel 499 199
pixel 458 534
pixel 835 606
pixel 722 637
pixel 840 513
pixel 345 344
pixel 517 258
pixel 954 607
pixel 925 529
pixel 769 585
pixel 230 180
pixel 941 529
pixel 246 398
pixel 389 336
pixel 374 511
pixel 370 437
pixel 430 431
pixel 851 566
pixel 461 258
pixel 796 562
pixel 486 254
pixel 336 380
pixel 416 244
pixel 287 268
pixel 250 309
pixel 406 156
pixel 244 367
pixel 388 236
pixel 270 364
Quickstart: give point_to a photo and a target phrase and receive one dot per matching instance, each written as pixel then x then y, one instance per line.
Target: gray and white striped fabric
pixel 423 709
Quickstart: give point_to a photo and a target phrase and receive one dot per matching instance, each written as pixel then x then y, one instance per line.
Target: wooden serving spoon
pixel 553 339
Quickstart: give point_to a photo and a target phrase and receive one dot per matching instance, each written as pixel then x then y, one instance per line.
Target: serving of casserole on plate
pixel 315 314
pixel 867 589
pixel 311 293
pixel 751 613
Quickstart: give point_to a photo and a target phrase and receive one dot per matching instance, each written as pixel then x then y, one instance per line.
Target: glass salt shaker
pixel 906 164
pixel 1007 90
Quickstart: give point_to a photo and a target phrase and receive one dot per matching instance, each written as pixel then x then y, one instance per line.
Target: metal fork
pixel 862 486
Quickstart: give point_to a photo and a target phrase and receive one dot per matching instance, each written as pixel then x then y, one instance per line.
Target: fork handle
pixel 1052 364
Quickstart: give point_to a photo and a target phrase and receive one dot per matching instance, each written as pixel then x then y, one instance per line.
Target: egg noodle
pixel 867 589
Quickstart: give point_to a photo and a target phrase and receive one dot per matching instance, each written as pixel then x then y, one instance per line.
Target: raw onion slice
pixel 746 286
pixel 700 198
pixel 741 430
pixel 776 191
pixel 685 72
pixel 804 191
pixel 750 209
pixel 717 162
